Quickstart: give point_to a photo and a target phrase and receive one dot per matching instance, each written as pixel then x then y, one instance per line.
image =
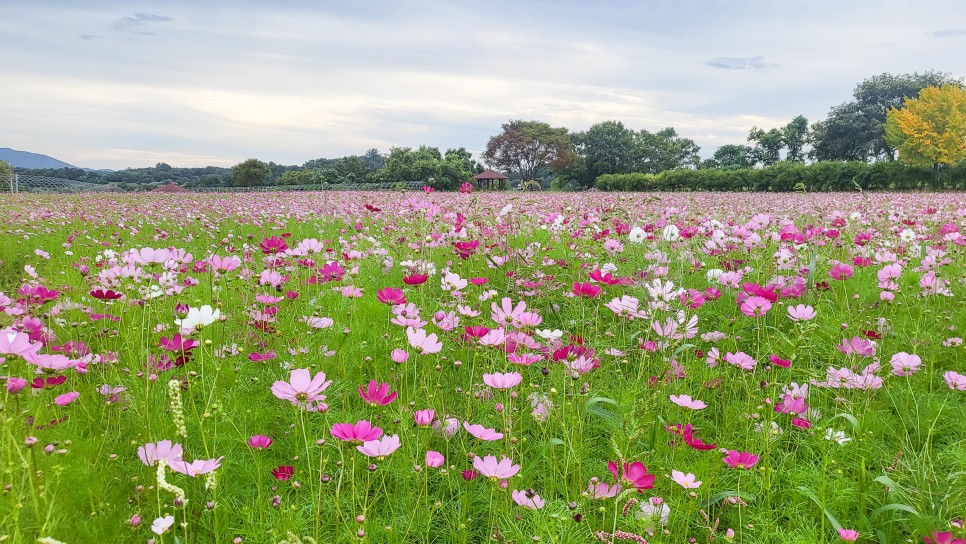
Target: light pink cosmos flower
pixel 13 342
pixel 196 468
pixel 377 393
pixel 302 388
pixel 848 535
pixel 425 344
pixel 150 453
pixel 380 448
pixel 424 417
pixel 488 466
pixel 905 364
pixel 801 312
pixel 506 313
pixel 499 380
pixel 955 380
pixel 434 459
pixel 161 525
pixel 481 432
pixel 527 499
pixel 685 401
pixel 741 360
pixel 857 345
pixel 66 398
pixel 362 431
pixel 755 306
pixel 740 459
pixel 53 362
pixel 601 490
pixel 687 481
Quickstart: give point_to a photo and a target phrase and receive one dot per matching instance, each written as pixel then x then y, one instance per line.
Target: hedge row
pixel 821 176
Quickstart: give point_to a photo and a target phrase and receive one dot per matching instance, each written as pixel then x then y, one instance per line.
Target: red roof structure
pixel 170 188
pixel 487 177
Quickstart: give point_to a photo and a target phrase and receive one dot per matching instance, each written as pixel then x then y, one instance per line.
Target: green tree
pixel 768 145
pixel 930 131
pixel 731 157
pixel 250 173
pixel 528 147
pixel 605 148
pixel 795 136
pixel 352 169
pixel 855 130
pixel 302 176
pixel 664 150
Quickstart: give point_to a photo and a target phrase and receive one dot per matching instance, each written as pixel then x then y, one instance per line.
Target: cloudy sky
pixel 115 84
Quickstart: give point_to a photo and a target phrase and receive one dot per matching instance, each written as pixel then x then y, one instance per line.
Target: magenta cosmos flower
pixel 942 537
pixel 362 431
pixel 377 394
pixel 499 380
pixel 635 475
pixel 302 388
pixel 737 459
pixel 841 271
pixel 491 468
pixel 588 290
pixel 380 448
pixel 391 296
pixel 259 442
pixel 151 452
pixel 482 432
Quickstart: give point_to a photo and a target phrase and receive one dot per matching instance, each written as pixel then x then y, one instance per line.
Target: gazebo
pixel 487 177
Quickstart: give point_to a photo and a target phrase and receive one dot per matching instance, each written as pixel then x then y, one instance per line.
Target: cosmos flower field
pixel 410 367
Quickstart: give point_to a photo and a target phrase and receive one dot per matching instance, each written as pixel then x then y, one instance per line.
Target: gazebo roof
pixel 170 188
pixel 489 174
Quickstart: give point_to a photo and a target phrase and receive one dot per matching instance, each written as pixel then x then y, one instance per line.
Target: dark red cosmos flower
pixel 465 249
pixel 101 294
pixel 283 472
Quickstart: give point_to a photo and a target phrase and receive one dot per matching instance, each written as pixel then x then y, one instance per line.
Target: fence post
pixel 15 183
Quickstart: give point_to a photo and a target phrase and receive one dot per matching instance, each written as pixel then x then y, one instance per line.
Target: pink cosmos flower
pixel 856 345
pixel 377 394
pixel 481 432
pixel 302 388
pixel 942 537
pixel 778 361
pixel 743 459
pixel 755 306
pixel 362 431
pixel 841 271
pixel 256 357
pixel 161 525
pixel 955 380
pixel 848 535
pixel 489 467
pixel 380 448
pixel 196 468
pixel 52 362
pixel 503 381
pixel 15 384
pixel 399 355
pixel 634 475
pixel 424 417
pixel 687 481
pixel 601 490
pixel 434 459
pixel 527 499
pixel 905 364
pixel 14 342
pixel 685 401
pixel 150 453
pixel 588 290
pixel 801 313
pixel 425 344
pixel 259 442
pixel 741 360
pixel 66 398
pixel 391 295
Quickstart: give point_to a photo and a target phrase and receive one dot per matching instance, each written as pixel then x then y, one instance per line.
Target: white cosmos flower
pixel 198 317
pixel 548 334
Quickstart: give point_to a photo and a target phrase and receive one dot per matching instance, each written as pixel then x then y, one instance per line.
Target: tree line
pixel 918 119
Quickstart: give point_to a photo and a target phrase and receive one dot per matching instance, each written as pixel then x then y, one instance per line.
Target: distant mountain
pixel 25 159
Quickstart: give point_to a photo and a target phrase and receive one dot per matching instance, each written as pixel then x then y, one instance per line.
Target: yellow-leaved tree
pixel 930 131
